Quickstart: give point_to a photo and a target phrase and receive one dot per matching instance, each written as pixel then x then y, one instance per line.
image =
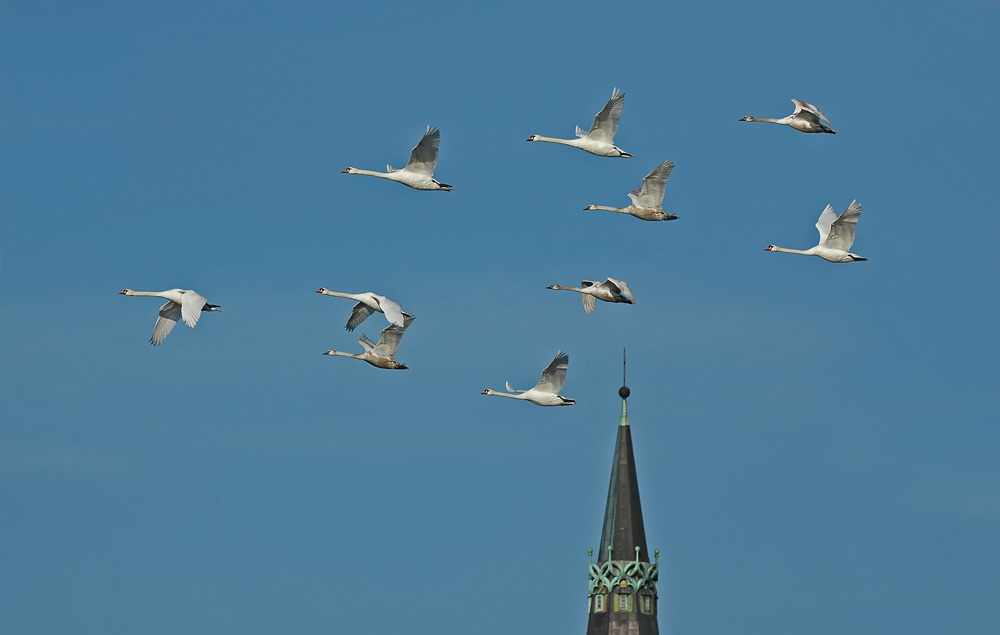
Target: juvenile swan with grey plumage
pixel 806 118
pixel 383 354
pixel 647 199
pixel 611 290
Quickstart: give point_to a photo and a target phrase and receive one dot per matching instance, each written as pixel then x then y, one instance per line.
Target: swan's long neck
pixel 620 210
pixel 565 142
pixel 562 288
pixel 338 294
pixel 343 354
pixel 768 119
pixel 384 175
pixel 808 252
pixel 155 294
pixel 504 394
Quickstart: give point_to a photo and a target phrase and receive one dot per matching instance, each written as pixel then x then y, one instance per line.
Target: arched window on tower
pixel 646 603
pixel 623 601
pixel 600 603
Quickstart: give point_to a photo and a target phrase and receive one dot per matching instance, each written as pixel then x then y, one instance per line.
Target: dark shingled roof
pixel 623 529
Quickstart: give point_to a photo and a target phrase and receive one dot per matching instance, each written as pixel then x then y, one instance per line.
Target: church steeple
pixel 623 582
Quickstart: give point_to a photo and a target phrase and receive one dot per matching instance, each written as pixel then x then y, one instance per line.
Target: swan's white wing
pixel 825 221
pixel 359 314
pixel 554 376
pixel 611 287
pixel 191 305
pixel 588 300
pixel 805 110
pixel 388 343
pixel 842 230
pixel 511 388
pixel 393 312
pixel 169 314
pixel 623 288
pixel 424 157
pixel 650 193
pixel 366 343
pixel 606 122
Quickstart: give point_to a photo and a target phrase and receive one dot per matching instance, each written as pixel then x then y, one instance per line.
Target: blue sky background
pixel 816 443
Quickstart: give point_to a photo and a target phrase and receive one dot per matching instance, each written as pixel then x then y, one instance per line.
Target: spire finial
pixel 623 392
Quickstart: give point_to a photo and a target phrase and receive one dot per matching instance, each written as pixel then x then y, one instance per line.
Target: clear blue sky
pixel 816 443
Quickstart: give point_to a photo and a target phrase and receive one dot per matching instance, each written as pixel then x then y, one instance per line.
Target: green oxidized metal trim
pixel 624 420
pixel 635 573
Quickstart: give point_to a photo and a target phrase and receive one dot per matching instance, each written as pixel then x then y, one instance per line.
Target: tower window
pixel 647 604
pixel 599 603
pixel 624 603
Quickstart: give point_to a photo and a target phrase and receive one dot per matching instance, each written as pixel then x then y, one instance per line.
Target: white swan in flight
pixel 383 354
pixel 545 391
pixel 182 304
pixel 368 303
pixel 647 199
pixel 419 171
pixel 600 140
pixel 611 290
pixel 806 118
pixel 836 235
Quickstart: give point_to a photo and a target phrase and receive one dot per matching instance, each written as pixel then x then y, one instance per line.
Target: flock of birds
pixel 836 237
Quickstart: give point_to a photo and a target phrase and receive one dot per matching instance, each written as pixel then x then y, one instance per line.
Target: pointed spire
pixel 623 529
pixel 623 582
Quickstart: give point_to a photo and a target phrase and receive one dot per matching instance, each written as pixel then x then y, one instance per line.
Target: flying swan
pixel 383 354
pixel 368 303
pixel 836 235
pixel 611 290
pixel 545 391
pixel 647 199
pixel 600 140
pixel 419 171
pixel 806 118
pixel 183 304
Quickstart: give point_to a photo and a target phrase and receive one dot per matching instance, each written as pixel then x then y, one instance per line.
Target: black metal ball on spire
pixel 623 392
